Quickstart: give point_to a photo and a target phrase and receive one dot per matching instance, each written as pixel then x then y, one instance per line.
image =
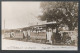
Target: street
pixel 20 45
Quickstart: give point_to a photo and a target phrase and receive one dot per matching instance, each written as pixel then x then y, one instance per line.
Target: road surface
pixel 20 45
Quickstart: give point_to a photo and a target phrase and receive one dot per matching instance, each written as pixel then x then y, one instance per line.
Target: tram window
pixel 43 30
pixel 34 31
pixel 31 31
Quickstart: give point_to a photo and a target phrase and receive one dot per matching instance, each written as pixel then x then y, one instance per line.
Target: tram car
pixel 14 34
pixel 45 33
pixel 36 33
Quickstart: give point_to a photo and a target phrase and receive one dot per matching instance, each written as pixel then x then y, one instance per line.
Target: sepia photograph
pixel 39 25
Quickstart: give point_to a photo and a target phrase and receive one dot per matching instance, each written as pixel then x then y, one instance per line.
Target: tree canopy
pixel 62 12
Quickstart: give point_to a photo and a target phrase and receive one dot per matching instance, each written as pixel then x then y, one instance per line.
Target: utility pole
pixel 4 25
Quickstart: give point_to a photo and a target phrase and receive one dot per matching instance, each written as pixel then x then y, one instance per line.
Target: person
pixel 53 36
pixel 50 34
pixel 47 34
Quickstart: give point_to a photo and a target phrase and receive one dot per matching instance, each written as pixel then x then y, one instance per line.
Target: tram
pixel 45 33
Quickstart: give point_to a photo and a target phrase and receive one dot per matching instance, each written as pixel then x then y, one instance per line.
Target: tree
pixel 61 12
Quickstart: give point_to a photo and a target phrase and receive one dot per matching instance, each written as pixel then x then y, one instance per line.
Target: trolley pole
pixel 4 25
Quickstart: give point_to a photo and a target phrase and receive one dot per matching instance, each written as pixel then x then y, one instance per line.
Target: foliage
pixel 62 12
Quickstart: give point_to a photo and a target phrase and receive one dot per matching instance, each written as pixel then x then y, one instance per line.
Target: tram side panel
pixel 7 35
pixel 33 35
pixel 42 35
pixel 18 35
pixel 38 37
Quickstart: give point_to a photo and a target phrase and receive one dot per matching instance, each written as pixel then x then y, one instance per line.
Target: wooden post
pixel 46 33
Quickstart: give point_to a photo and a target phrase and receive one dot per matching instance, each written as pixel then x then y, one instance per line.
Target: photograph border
pixel 41 51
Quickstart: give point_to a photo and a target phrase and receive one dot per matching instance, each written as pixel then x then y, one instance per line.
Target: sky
pixel 20 14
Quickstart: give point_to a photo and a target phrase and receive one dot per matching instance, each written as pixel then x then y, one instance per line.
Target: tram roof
pixel 43 25
pixel 49 23
pixel 40 25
